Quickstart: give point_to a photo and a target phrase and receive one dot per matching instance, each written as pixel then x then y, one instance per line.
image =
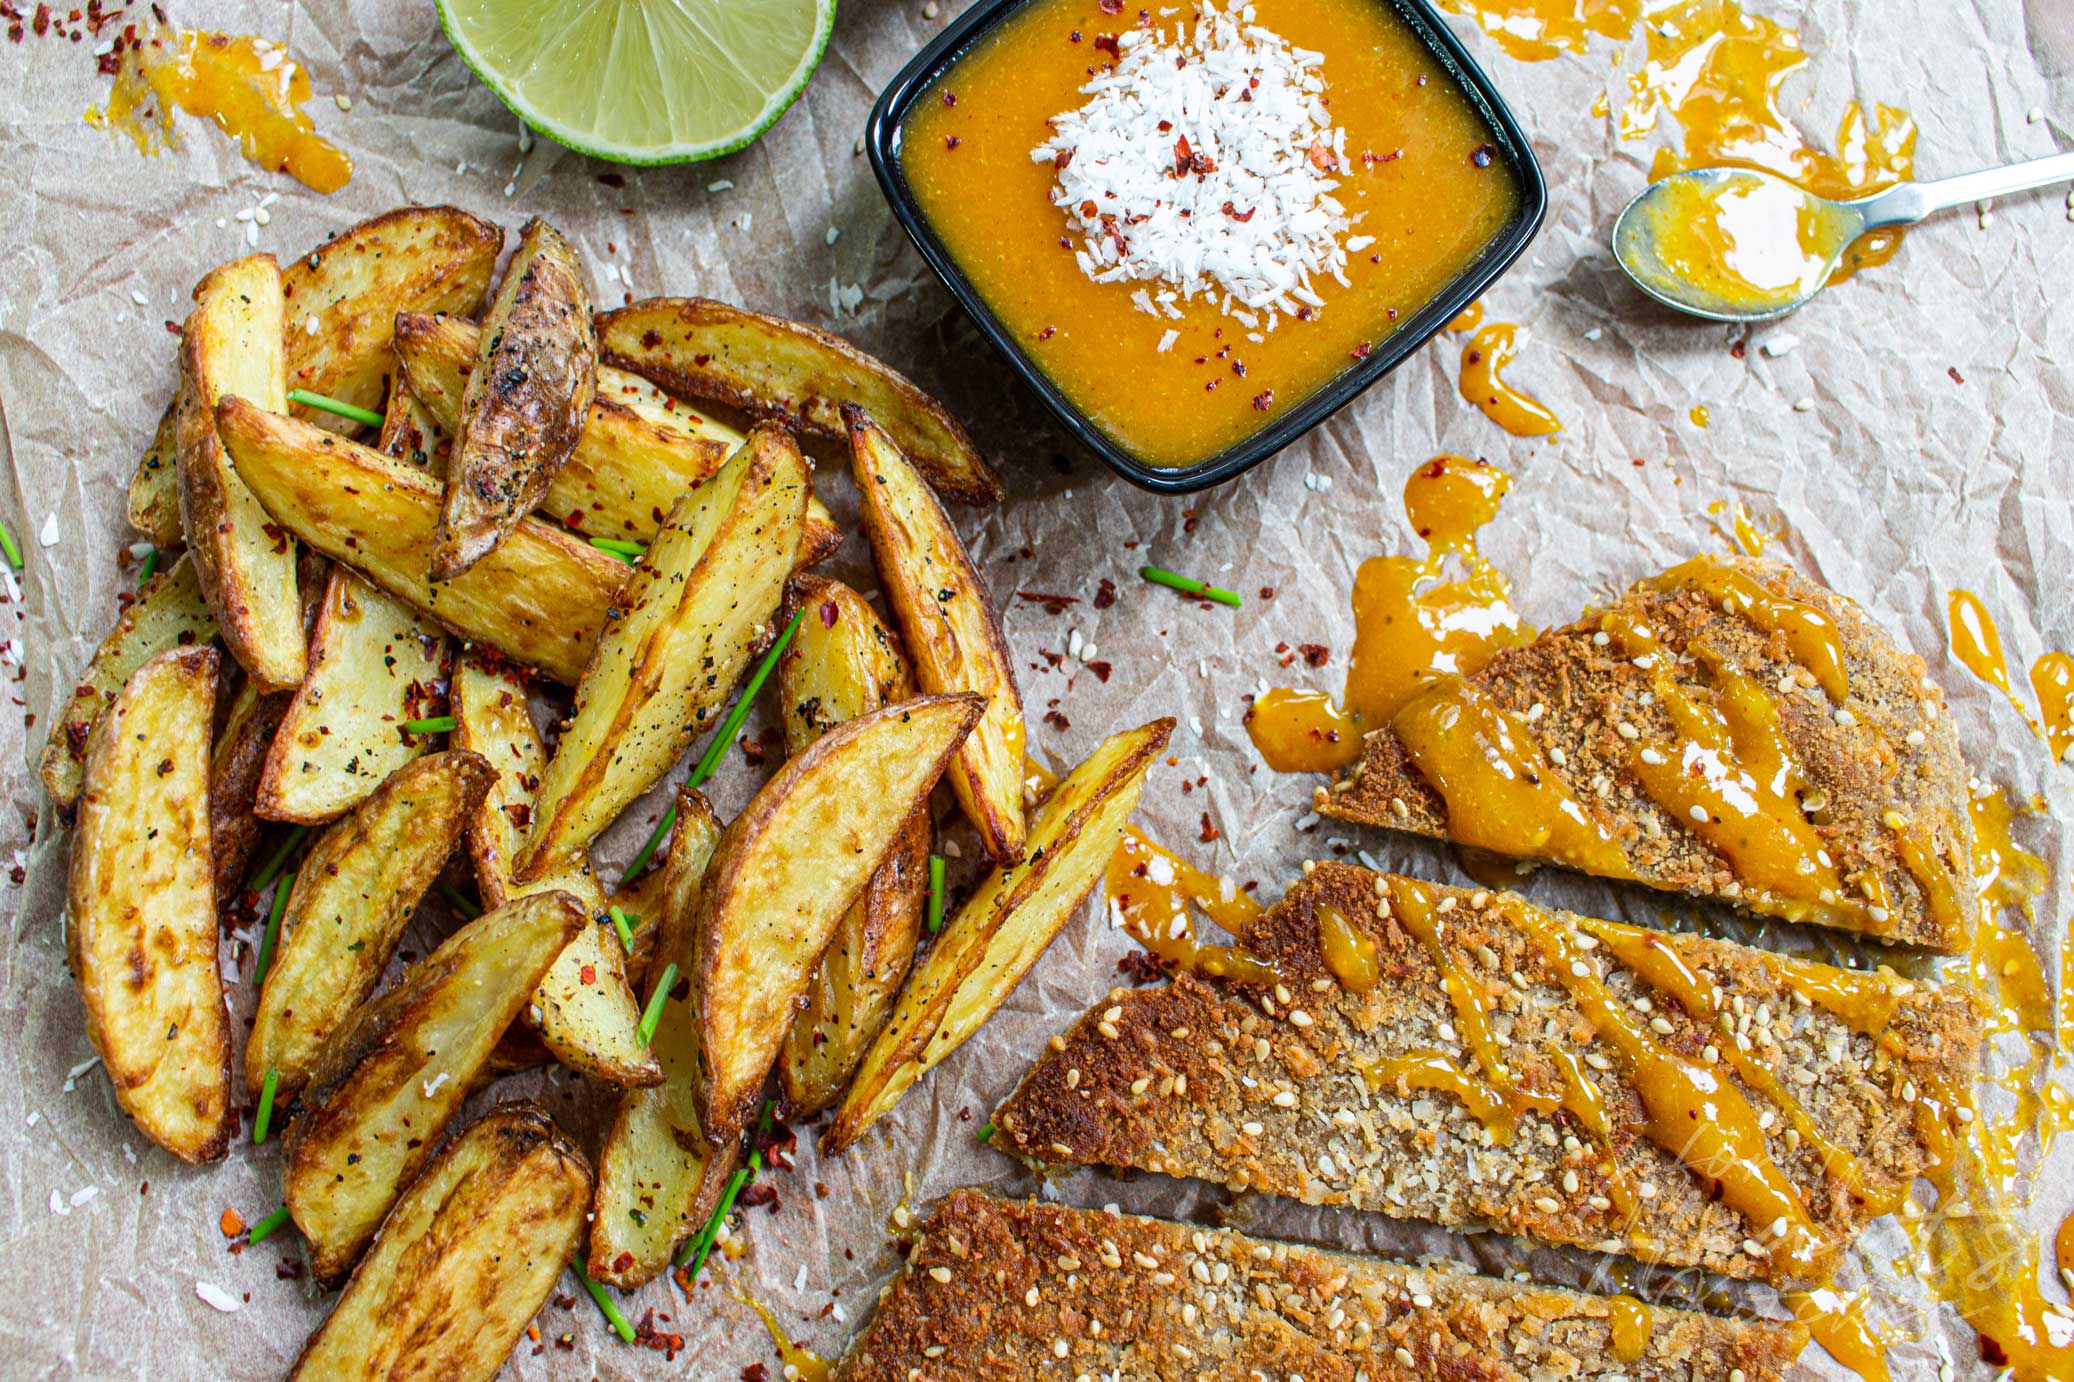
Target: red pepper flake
pixel 950 98
pixel 1267 592
pixel 1184 157
pixel 830 612
pixel 1360 352
pixel 1053 604
pixel 1739 350
pixel 1233 212
pixel 1953 371
pixel 651 338
pixel 1210 830
pixel 588 974
pixel 1211 386
pixel 1101 669
pixel 1111 6
pixel 1140 968
pixel 612 180
pixel 951 141
pixel 760 1193
pixel 1106 43
pixel 1263 400
pixel 1047 333
pixel 1314 654
pixel 1323 158
pixel 232 1223
pixel 756 1372
pixel 1057 721
pixel 1105 594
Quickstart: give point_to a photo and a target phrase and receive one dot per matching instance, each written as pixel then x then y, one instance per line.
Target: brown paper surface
pixel 1933 455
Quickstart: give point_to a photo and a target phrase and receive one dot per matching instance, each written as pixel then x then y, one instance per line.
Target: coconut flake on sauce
pixel 1204 162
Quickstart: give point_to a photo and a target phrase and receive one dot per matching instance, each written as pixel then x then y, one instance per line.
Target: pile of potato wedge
pixel 483 491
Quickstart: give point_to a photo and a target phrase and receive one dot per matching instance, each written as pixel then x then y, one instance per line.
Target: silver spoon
pixel 1736 245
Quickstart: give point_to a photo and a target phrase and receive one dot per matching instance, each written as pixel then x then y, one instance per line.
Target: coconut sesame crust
pixel 1888 748
pixel 1004 1290
pixel 1264 1091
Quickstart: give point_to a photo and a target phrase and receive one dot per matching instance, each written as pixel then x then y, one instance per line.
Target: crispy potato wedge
pixel 413 259
pixel 843 663
pixel 786 871
pixel 142 938
pixel 393 1076
pixel 232 345
pixel 540 598
pixel 525 401
pixel 375 663
pixel 465 1259
pixel 1003 927
pixel 234 768
pixel 584 1009
pixel 153 505
pixel 687 623
pixel 168 613
pixel 947 621
pixel 779 369
pixel 354 894
pixel 638 451
pixel 658 1177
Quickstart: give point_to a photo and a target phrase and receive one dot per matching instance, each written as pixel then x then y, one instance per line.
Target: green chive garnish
pixel 985 1132
pixel 693 1257
pixel 654 1014
pixel 264 1229
pixel 265 1117
pixel 332 405
pixel 632 551
pixel 438 724
pixel 14 553
pixel 612 1313
pixel 935 893
pixel 468 908
pixel 662 828
pixel 271 870
pixel 623 924
pixel 1161 576
pixel 149 567
pixel 273 931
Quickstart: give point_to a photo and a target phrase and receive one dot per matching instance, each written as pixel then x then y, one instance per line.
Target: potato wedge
pixel 393 1076
pixel 947 621
pixel 786 871
pixel 540 598
pixel 658 1177
pixel 638 451
pixel 843 663
pixel 584 1009
pixel 535 371
pixel 234 768
pixel 413 259
pixel 232 345
pixel 153 504
pixel 354 894
pixel 779 369
pixel 168 613
pixel 465 1259
pixel 142 936
pixel 375 663
pixel 688 622
pixel 1001 930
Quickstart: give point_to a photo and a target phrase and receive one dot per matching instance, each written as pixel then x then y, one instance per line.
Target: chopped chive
pixel 332 405
pixel 1161 576
pixel 438 724
pixel 985 1132
pixel 623 924
pixel 14 553
pixel 632 551
pixel 271 870
pixel 613 1315
pixel 460 902
pixel 262 1120
pixel 273 932
pixel 935 893
pixel 711 759
pixel 654 1014
pixel 662 828
pixel 264 1229
pixel 148 568
pixel 693 1257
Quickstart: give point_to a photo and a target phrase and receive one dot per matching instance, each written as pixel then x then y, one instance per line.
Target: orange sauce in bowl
pixel 1419 179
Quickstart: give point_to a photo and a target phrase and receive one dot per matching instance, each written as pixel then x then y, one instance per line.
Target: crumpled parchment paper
pixel 1935 455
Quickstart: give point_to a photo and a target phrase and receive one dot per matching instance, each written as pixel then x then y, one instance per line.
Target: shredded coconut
pixel 1205 160
pixel 216 1298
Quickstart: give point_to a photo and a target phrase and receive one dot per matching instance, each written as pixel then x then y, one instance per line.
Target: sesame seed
pixel 1627 731
pixel 940 1275
pixel 1285 1099
pixel 1299 1017
pixel 1547 1205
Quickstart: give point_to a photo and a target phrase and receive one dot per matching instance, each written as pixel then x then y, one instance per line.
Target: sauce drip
pixel 1629 1320
pixel 800 1362
pixel 2052 680
pixel 1412 623
pixel 1534 30
pixel 1836 1320
pixel 1348 950
pixel 1743 531
pixel 1698 415
pixel 1976 642
pixel 1810 635
pixel 1484 360
pixel 1153 894
pixel 1468 319
pixel 253 91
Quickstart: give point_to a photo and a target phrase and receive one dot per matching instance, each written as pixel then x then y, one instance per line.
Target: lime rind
pixel 776 102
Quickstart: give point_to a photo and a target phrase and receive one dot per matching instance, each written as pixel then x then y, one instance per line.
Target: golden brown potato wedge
pixel 947 622
pixel 142 934
pixel 773 368
pixel 686 625
pixel 232 345
pixel 584 1009
pixel 153 505
pixel 393 1076
pixel 786 871
pixel 1003 927
pixel 524 403
pixel 168 613
pixel 354 894
pixel 843 663
pixel 539 598
pixel 234 768
pixel 374 665
pixel 658 1177
pixel 465 1259
pixel 413 259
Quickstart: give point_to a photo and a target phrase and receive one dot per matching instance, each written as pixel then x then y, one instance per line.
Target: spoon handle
pixel 1912 201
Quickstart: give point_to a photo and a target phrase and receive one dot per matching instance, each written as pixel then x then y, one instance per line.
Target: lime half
pixel 643 81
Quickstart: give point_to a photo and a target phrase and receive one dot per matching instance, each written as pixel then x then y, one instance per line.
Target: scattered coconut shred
pixel 1204 161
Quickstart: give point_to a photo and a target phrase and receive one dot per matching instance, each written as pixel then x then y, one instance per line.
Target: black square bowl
pixel 882 141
